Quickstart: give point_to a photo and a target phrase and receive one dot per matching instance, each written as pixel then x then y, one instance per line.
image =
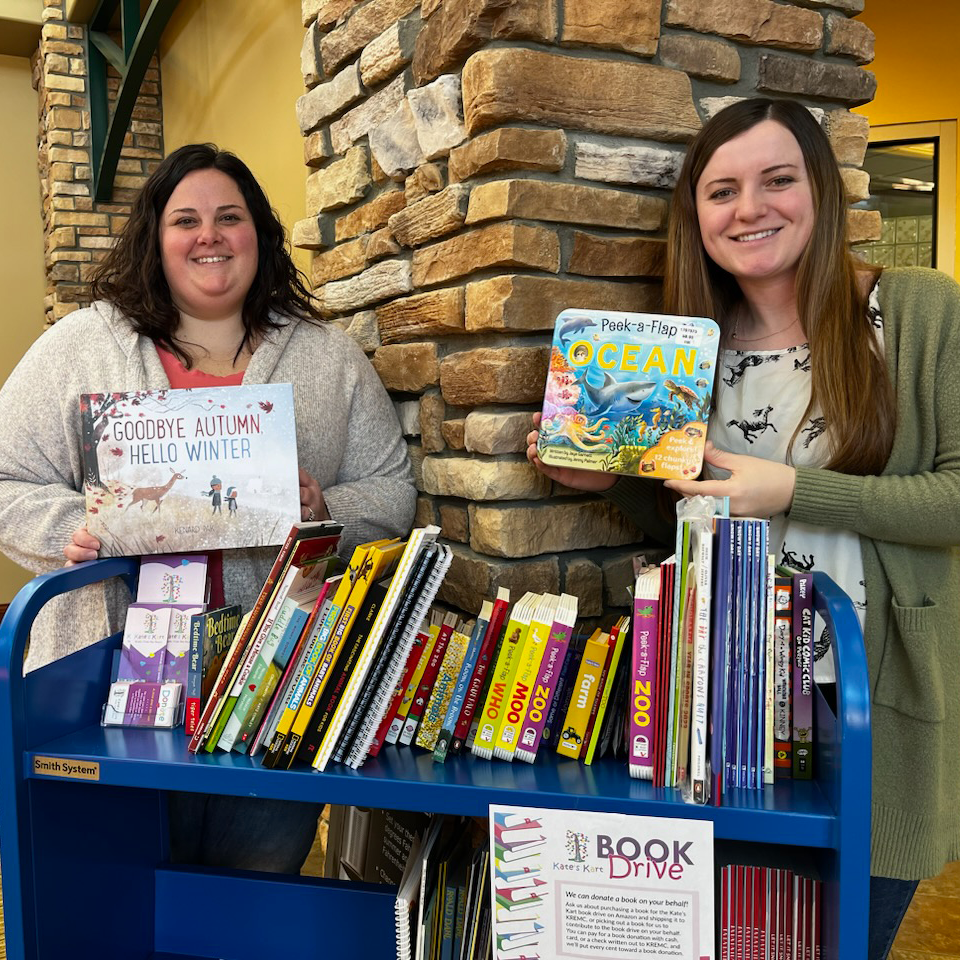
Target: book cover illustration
pixel 191 469
pixel 628 393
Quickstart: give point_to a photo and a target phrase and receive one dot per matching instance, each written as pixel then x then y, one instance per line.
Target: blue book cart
pixel 83 839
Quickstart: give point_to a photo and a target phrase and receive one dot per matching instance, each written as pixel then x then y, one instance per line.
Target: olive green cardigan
pixel 908 519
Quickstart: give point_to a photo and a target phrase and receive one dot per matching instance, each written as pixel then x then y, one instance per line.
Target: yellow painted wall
pixel 915 63
pixel 230 74
pixel 21 240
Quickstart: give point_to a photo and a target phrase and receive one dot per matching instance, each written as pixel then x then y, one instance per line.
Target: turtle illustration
pixel 680 393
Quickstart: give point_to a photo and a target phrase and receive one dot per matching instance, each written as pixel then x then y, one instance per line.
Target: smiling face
pixel 208 245
pixel 755 206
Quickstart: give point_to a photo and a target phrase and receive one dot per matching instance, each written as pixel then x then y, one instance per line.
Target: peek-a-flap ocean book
pixel 629 393
pixel 169 471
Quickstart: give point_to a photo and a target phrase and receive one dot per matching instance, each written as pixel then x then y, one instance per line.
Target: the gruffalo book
pixel 629 393
pixel 204 468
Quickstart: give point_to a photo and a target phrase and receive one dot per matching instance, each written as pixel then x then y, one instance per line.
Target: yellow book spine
pixel 515 710
pixel 341 597
pixel 623 628
pixel 584 691
pixel 442 691
pixel 504 671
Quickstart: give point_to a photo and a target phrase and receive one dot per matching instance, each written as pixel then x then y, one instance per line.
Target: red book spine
pixel 412 660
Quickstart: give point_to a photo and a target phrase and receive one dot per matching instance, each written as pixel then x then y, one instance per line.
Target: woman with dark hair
pixel 836 415
pixel 199 290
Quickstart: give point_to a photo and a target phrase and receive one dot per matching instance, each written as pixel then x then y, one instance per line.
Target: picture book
pixel 191 469
pixel 643 661
pixel 573 883
pixel 629 393
pixel 211 634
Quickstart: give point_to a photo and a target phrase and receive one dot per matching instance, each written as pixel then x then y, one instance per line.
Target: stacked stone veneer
pixel 77 229
pixel 476 166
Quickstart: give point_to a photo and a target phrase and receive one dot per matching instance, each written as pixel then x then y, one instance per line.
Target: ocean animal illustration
pixel 647 467
pixel 154 495
pixel 693 432
pixel 613 395
pixel 752 428
pixel 680 393
pixel 705 365
pixel 572 326
pixel 703 382
pixel 577 430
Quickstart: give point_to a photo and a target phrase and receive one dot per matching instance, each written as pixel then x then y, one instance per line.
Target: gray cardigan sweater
pixel 908 520
pixel 348 438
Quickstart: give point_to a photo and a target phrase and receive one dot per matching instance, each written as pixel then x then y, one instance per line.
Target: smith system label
pixel 69 769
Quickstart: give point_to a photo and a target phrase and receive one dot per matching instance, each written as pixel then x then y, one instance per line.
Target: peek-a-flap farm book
pixel 629 393
pixel 203 468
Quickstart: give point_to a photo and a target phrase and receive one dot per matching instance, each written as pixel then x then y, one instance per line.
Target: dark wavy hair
pixel 132 278
pixel 849 379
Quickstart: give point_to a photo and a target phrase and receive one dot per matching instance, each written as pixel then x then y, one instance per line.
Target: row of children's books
pixel 721 670
pixel 312 668
pixel 768 910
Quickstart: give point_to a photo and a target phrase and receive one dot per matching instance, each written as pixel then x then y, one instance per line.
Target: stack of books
pixel 721 681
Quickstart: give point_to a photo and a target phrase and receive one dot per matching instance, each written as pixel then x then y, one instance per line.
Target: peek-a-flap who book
pixel 205 468
pixel 629 393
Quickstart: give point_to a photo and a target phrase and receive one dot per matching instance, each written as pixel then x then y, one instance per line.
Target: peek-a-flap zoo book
pixel 202 468
pixel 629 393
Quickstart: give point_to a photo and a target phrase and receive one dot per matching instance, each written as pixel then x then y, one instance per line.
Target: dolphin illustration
pixel 613 395
pixel 573 325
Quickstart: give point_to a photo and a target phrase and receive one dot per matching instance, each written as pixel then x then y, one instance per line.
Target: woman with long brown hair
pixel 836 415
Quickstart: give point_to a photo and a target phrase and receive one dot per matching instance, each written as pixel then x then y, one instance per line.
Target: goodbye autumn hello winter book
pixel 629 393
pixel 203 468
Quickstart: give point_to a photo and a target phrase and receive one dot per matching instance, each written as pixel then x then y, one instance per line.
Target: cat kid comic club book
pixel 629 393
pixel 168 471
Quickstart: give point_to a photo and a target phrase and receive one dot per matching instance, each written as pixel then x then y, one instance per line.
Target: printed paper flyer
pixel 168 471
pixel 600 886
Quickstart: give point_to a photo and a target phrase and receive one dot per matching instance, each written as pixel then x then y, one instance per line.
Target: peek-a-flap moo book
pixel 205 468
pixel 629 393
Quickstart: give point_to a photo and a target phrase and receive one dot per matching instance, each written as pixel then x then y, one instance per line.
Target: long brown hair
pixel 132 278
pixel 850 384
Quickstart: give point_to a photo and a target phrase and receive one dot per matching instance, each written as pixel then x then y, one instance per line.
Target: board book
pixel 628 393
pixel 192 469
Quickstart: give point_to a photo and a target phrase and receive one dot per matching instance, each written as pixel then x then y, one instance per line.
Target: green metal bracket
pixel 139 41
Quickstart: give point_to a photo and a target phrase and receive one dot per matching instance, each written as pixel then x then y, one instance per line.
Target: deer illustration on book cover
pixel 628 393
pixel 159 466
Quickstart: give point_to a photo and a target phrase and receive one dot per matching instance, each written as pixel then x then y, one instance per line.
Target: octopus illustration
pixel 577 431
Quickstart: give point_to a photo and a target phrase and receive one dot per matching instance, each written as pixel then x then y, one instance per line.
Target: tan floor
pixel 930 931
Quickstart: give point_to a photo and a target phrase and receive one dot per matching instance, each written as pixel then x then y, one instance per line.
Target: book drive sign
pixel 600 886
pixel 168 471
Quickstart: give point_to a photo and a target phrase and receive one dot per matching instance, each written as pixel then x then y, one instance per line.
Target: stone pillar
pixel 78 230
pixel 474 167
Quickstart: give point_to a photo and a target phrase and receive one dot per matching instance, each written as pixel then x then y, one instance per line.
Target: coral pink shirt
pixel 179 376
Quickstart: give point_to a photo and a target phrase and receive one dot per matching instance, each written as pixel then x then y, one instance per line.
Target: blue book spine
pixel 721 651
pixel 291 635
pixel 460 690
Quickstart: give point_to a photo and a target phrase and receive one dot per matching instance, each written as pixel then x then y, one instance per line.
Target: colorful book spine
pixel 427 680
pixel 585 690
pixel 413 661
pixel 211 634
pixel 528 667
pixel 442 691
pixel 486 657
pixel 703 574
pixel 768 775
pixel 491 717
pixel 643 672
pixel 661 699
pixel 561 696
pixel 618 639
pixel 783 676
pixel 410 693
pixel 722 628
pixel 803 675
pixel 554 655
pixel 470 655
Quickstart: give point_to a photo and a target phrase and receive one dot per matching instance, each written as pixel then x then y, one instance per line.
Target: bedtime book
pixel 629 393
pixel 193 469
